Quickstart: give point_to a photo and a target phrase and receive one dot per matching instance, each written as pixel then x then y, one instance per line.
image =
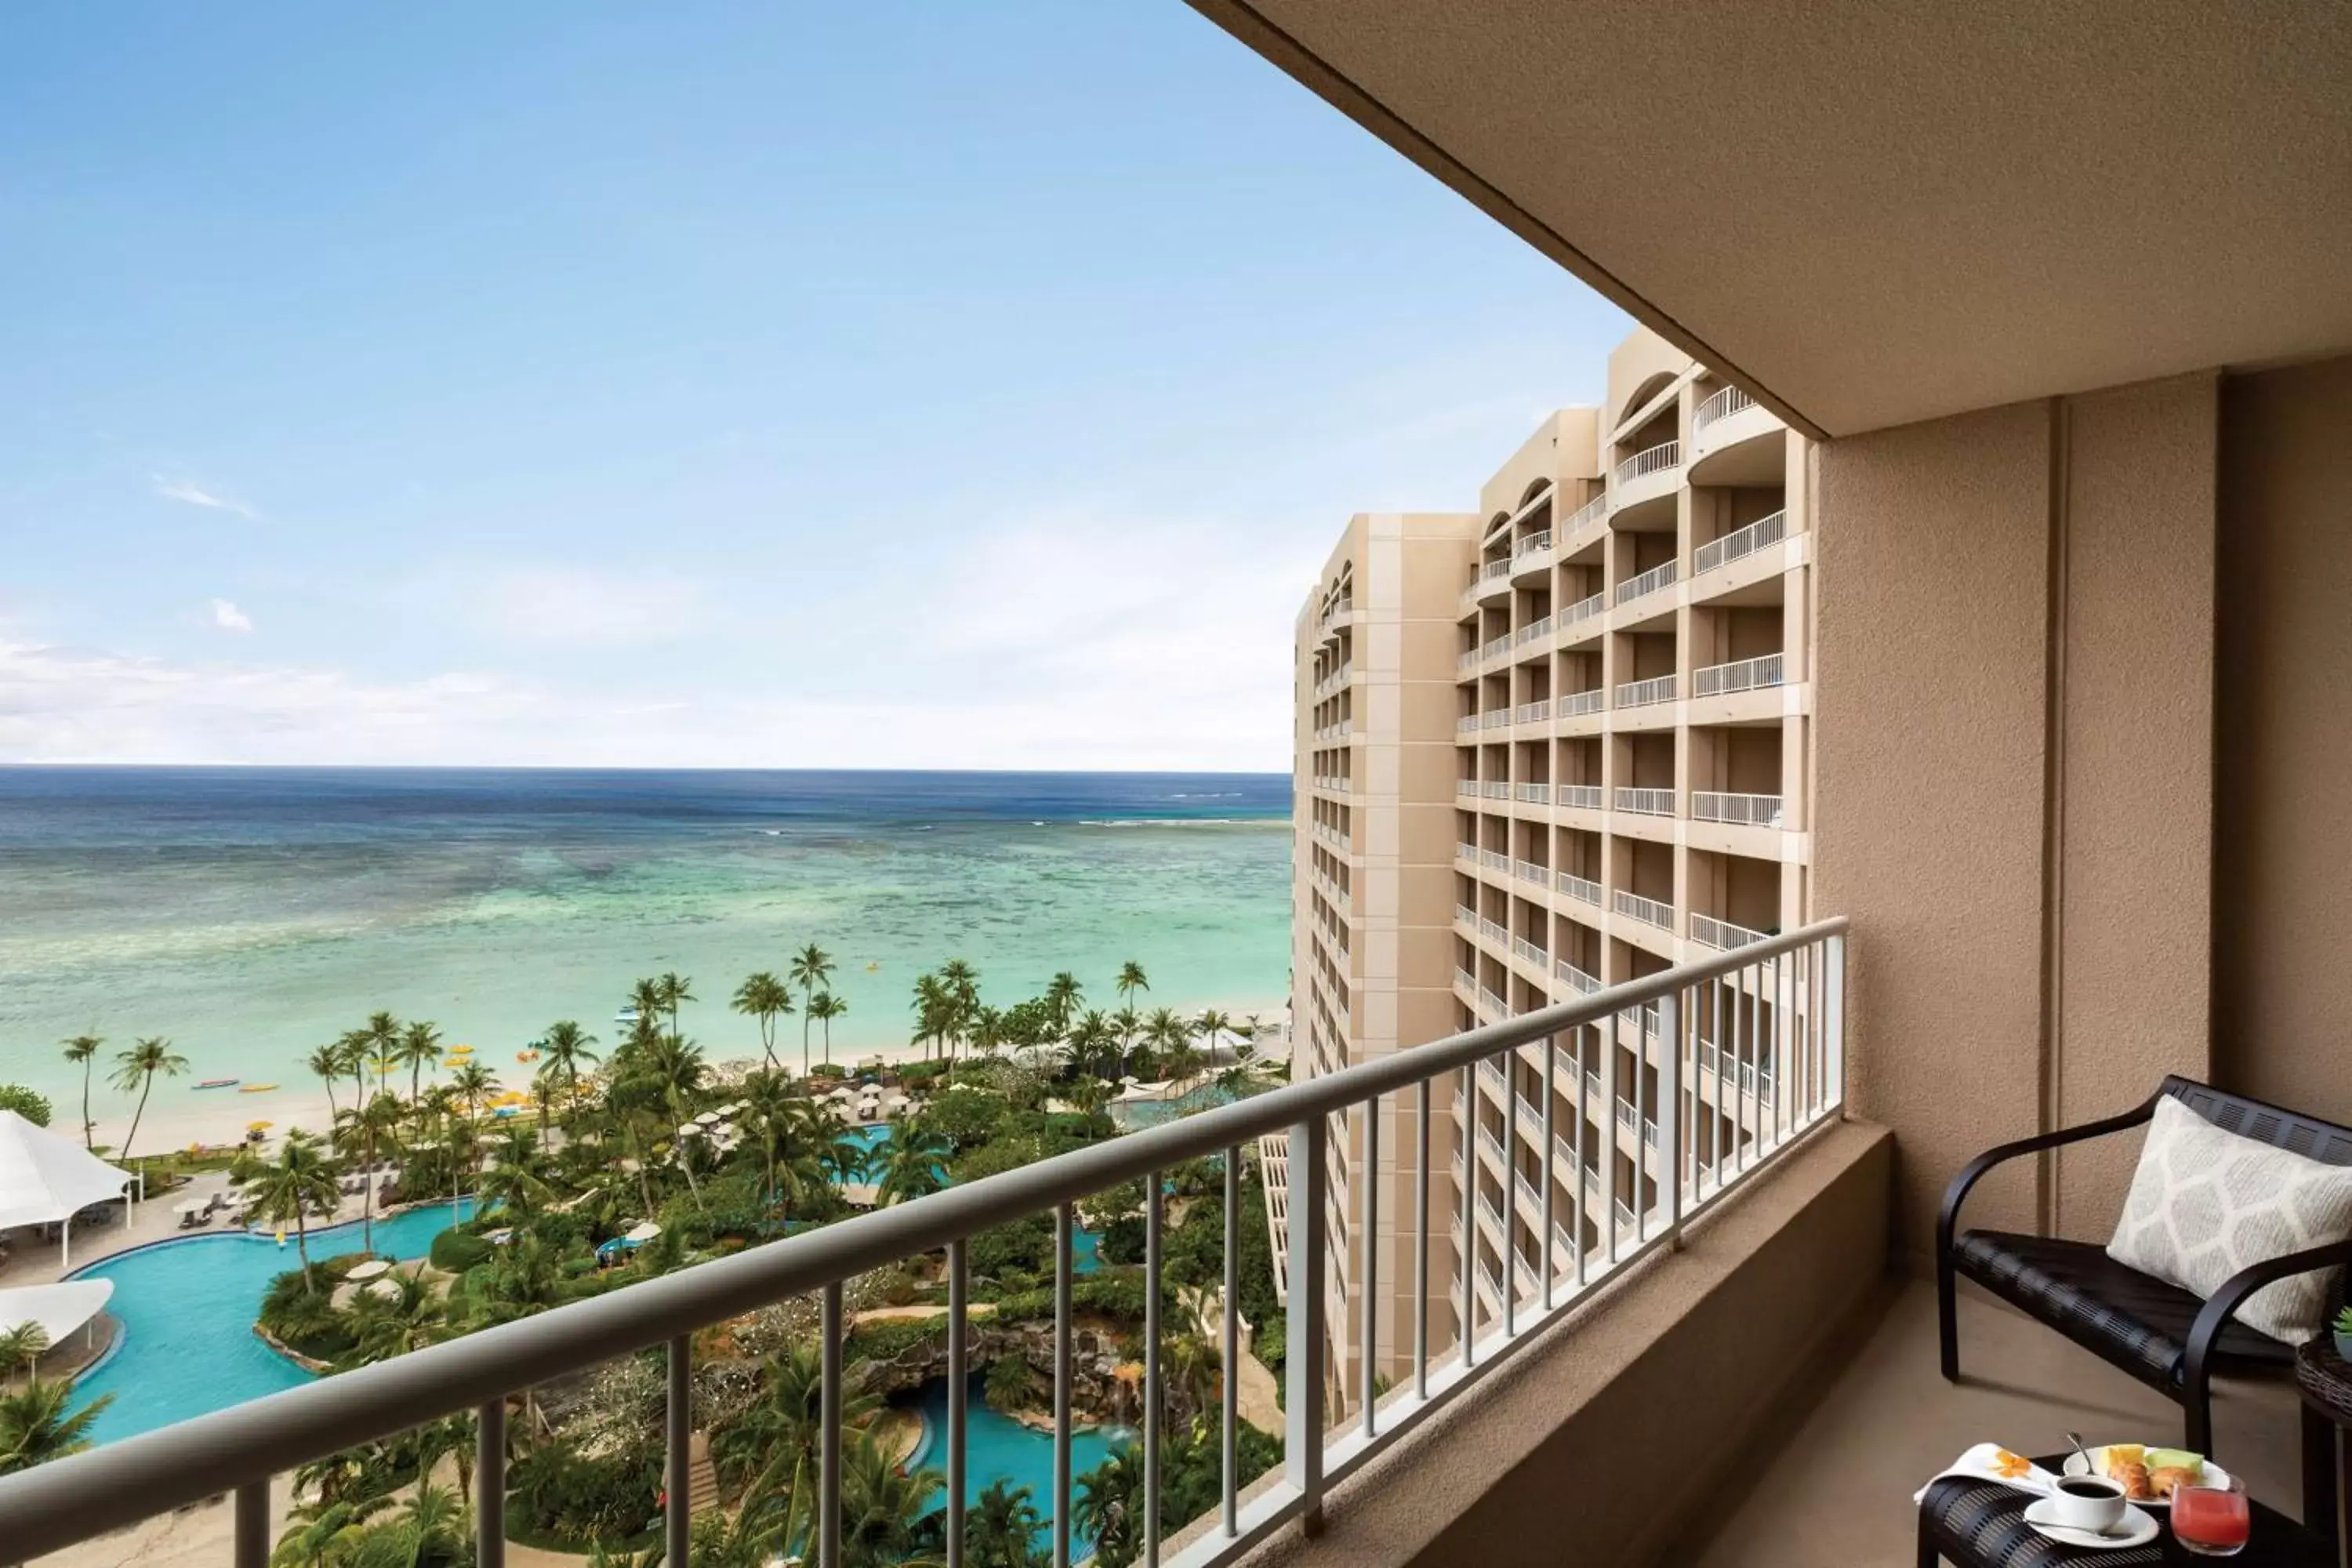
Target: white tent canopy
pixel 58 1309
pixel 45 1179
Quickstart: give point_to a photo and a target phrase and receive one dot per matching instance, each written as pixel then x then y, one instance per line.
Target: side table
pixel 2325 1381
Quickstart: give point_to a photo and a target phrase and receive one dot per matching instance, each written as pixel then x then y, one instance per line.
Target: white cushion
pixel 2206 1203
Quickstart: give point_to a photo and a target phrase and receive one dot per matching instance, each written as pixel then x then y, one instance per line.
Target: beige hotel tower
pixel 1555 744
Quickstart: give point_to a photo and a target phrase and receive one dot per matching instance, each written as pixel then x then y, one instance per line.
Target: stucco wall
pixel 1929 691
pixel 2282 983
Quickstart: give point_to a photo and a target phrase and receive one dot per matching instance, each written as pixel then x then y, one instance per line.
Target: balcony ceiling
pixel 1872 214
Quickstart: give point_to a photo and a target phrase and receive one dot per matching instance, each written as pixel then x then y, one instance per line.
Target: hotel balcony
pixel 1583 525
pixel 1647 693
pixel 1735 810
pixel 1740 675
pixel 1737 545
pixel 1649 911
pixel 1645 802
pixel 1532 554
pixel 1583 610
pixel 1576 704
pixel 1721 935
pixel 1532 794
pixel 1584 889
pixel 1643 585
pixel 1734 440
pixel 1645 478
pixel 1580 797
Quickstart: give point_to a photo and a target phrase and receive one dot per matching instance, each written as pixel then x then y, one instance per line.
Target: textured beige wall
pixel 1929 687
pixel 2282 985
pixel 2137 747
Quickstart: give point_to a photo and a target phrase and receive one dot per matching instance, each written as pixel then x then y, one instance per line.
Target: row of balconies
pixel 1335 731
pixel 1733 810
pixel 1709 680
pixel 1715 554
pixel 1708 931
pixel 1333 681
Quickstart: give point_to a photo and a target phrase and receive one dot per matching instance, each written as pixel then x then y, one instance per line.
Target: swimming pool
pixel 187 1309
pixel 1086 1247
pixel 1133 1114
pixel 999 1448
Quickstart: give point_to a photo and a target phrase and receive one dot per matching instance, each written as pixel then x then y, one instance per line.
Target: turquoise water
pixel 1086 1247
pixel 1153 1113
pixel 187 1307
pixel 997 1447
pixel 251 914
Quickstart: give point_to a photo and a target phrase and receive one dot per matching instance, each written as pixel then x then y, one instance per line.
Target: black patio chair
pixel 2165 1336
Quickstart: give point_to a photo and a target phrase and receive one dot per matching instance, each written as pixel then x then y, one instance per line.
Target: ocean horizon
pixel 251 914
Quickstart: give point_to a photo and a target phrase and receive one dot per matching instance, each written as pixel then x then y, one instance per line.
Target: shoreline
pixel 217 1117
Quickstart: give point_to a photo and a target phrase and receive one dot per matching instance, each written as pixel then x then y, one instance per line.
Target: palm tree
pixel 383 1038
pixel 136 1069
pixel 1131 981
pixel 518 1177
pixel 1063 994
pixel 911 1161
pixel 1110 1506
pixel 882 1506
pixel 987 1030
pixel 368 1128
pixel 961 981
pixel 474 1084
pixel 812 971
pixel 786 1422
pixel 327 1529
pixel 824 1007
pixel 430 1531
pixel 1170 1038
pixel 386 1326
pixel 766 998
pixel 21 1348
pixel 80 1050
pixel 35 1427
pixel 351 1052
pixel 934 1013
pixel 327 1061
pixel 674 988
pixel 287 1188
pixel 565 1048
pixel 1001 1531
pixel 646 997
pixel 1089 1045
pixel 419 1048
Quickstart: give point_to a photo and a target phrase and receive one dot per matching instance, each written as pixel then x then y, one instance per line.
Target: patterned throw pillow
pixel 2206 1203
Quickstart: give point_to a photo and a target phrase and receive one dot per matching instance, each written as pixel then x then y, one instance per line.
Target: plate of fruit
pixel 2149 1475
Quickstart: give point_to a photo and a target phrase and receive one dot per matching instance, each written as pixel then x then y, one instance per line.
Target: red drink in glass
pixel 2211 1520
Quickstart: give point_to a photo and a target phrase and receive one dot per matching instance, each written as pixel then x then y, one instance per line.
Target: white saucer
pixel 2135 1528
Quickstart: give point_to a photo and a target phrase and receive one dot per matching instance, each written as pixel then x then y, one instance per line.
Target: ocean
pixel 250 915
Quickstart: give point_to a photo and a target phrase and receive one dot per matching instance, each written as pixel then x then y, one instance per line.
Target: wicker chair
pixel 2161 1334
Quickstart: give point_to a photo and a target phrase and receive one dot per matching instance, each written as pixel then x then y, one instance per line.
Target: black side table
pixel 2325 1381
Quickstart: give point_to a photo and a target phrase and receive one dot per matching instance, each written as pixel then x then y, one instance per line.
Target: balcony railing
pixel 1738 810
pixel 1492 931
pixel 1582 889
pixel 1650 582
pixel 1465 851
pixel 1529 872
pixel 1464 915
pixel 1535 543
pixel 1494 720
pixel 1494 569
pixel 1583 609
pixel 1578 703
pixel 1464 979
pixel 1645 802
pixel 1722 406
pixel 1657 459
pixel 1534 794
pixel 1493 859
pixel 1466 788
pixel 1467 659
pixel 1495 1006
pixel 1467 725
pixel 1495 789
pixel 1495 647
pixel 1539 628
pixel 1584 797
pixel 1708 931
pixel 237 1451
pixel 1762 535
pixel 1642 693
pixel 1532 953
pixel 1532 712
pixel 1649 911
pixel 1740 675
pixel 1584 517
pixel 1576 979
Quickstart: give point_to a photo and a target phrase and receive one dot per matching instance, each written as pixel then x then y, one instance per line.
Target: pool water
pixel 187 1306
pixel 999 1448
pixel 1086 1247
pixel 1133 1114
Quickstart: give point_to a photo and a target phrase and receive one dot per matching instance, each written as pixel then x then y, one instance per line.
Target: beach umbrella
pixel 643 1232
pixel 724 1130
pixel 387 1290
pixel 374 1268
pixel 689 1129
pixel 259 1126
pixel 709 1119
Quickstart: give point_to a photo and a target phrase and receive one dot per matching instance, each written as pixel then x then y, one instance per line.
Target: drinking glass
pixel 2209 1519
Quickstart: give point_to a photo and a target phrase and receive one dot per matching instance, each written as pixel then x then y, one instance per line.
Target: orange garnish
pixel 2010 1466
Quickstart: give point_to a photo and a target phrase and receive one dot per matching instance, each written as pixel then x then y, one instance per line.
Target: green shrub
pixel 32 1107
pixel 1010 1384
pixel 454 1251
pixel 563 1494
pixel 828 1070
pixel 891 1337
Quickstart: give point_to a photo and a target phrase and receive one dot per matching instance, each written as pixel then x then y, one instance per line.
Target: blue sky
pixel 879 384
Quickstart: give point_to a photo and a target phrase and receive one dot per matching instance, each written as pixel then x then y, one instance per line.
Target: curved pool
pixel 187 1309
pixel 999 1448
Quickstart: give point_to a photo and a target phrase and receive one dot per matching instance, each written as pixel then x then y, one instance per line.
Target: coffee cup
pixel 2086 1502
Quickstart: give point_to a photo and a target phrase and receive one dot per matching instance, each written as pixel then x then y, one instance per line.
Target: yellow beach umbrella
pixel 259 1126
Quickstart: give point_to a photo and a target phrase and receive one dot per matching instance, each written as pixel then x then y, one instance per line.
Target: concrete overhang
pixel 1876 214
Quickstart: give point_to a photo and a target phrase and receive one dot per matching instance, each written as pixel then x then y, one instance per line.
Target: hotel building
pixel 1557 744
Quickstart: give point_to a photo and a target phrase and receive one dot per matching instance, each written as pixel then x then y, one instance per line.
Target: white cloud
pixel 191 494
pixel 227 617
pixel 563 605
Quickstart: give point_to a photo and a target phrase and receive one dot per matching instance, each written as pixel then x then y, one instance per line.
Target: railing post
pixel 1154 1408
pixel 1834 1015
pixel 252 1549
pixel 828 1497
pixel 678 1513
pixel 490 1485
pixel 1064 1224
pixel 1230 1393
pixel 958 1380
pixel 1303 1348
pixel 1670 1111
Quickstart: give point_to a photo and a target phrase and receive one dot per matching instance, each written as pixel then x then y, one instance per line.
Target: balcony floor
pixel 1838 1486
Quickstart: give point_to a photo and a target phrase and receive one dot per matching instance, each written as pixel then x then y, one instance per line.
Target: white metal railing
pixel 1465 851
pixel 1534 794
pixel 1645 802
pixel 1590 513
pixel 1584 890
pixel 1465 787
pixel 1468 981
pixel 237 1452
pixel 1530 952
pixel 1539 628
pixel 1708 931
pixel 1492 931
pixel 1656 460
pixel 1493 859
pixel 1578 703
pixel 1577 980
pixel 1494 569
pixel 1649 911
pixel 1467 725
pixel 1532 712
pixel 1466 660
pixel 1535 543
pixel 1529 872
pixel 1739 810
pixel 1584 797
pixel 1731 400
pixel 1650 582
pixel 1755 1077
pixel 1740 674
pixel 1494 648
pixel 1494 720
pixel 1465 915
pixel 1762 535
pixel 1584 609
pixel 1641 694
pixel 1495 789
pixel 1494 1004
